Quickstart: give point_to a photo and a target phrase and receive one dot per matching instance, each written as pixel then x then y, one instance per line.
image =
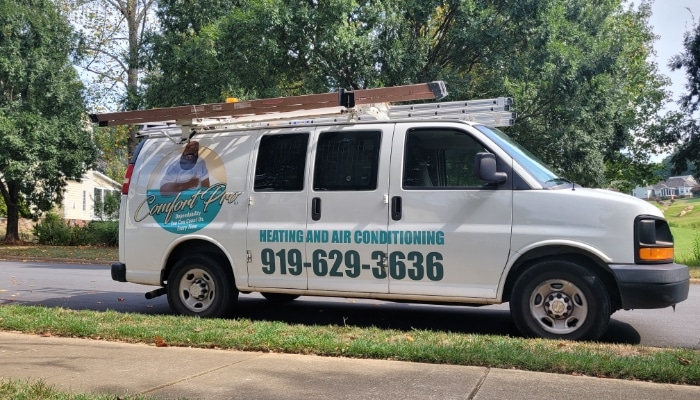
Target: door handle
pixel 316 208
pixel 396 208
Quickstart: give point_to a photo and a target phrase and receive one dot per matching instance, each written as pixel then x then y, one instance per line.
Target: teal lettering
pixel 427 238
pixel 316 236
pixel 282 236
pixel 341 237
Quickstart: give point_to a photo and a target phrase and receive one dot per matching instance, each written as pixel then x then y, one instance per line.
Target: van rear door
pixel 278 209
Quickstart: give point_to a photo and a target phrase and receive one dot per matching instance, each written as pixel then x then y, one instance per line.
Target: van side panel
pixel 174 196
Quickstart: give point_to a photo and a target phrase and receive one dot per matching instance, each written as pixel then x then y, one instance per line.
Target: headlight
pixel 653 241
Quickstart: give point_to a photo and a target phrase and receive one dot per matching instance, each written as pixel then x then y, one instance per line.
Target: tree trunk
pixel 12 232
pixel 10 195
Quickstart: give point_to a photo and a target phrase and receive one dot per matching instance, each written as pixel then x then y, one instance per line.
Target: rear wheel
pixel 560 299
pixel 280 297
pixel 200 286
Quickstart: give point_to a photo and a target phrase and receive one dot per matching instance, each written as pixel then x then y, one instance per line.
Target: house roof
pixel 100 177
pixel 677 181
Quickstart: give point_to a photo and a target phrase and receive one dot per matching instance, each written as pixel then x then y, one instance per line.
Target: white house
pixel 79 197
pixel 675 186
pixel 643 192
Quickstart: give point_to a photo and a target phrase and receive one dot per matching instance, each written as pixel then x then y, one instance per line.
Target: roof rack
pixel 341 107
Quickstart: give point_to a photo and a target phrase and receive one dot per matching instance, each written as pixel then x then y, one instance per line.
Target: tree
pixel 113 33
pixel 43 125
pixel 578 70
pixel 111 142
pixel 686 132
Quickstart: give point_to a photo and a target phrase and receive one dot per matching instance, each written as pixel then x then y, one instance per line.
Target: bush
pixel 52 230
pixel 104 233
pixel 79 236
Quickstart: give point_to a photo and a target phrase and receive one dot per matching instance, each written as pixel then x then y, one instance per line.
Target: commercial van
pixel 409 205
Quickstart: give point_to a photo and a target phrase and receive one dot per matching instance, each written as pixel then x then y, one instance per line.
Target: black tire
pixel 560 299
pixel 200 286
pixel 280 297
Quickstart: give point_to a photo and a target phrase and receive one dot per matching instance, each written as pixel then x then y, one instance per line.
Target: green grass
pixel 675 216
pixel 86 254
pixel 683 216
pixel 38 390
pixel 679 366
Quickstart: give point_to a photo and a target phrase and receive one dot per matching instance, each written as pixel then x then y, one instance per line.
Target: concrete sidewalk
pixel 92 366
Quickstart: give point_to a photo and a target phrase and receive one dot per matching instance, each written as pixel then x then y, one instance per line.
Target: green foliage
pixel 103 233
pixel 45 136
pixel 578 70
pixel 52 230
pixel 686 131
pixel 112 144
pixel 109 209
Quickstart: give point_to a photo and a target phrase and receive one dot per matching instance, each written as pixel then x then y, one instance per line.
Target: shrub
pixel 79 236
pixel 104 233
pixel 52 230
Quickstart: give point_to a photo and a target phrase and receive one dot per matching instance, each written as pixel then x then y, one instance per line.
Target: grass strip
pixel 88 254
pixel 38 390
pixel 678 366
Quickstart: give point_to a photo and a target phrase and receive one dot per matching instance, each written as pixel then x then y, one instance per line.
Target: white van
pixel 405 209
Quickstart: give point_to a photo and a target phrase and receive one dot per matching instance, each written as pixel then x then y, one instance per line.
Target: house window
pixel 98 202
pixel 84 200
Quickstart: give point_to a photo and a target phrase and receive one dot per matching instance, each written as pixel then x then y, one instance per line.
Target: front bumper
pixel 651 286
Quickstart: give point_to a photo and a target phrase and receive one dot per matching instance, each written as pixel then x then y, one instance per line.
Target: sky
pixel 670 19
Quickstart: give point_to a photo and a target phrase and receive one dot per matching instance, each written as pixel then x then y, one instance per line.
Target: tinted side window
pixel 347 161
pixel 440 159
pixel 281 163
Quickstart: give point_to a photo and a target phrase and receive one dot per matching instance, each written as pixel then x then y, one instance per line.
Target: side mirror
pixel 485 168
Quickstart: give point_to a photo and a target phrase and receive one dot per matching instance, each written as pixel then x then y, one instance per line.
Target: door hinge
pixel 248 256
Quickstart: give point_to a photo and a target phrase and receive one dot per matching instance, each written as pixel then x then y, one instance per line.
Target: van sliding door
pixel 348 208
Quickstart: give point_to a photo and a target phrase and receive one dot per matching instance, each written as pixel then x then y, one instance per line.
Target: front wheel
pixel 560 299
pixel 199 286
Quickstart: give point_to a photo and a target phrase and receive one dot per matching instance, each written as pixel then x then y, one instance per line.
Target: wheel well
pixel 197 246
pixel 578 256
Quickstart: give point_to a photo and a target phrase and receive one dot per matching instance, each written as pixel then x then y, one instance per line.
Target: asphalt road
pixel 90 287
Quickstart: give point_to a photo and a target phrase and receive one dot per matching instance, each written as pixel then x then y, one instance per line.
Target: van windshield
pixel 522 156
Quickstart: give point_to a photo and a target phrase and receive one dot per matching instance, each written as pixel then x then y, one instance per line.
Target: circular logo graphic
pixel 187 189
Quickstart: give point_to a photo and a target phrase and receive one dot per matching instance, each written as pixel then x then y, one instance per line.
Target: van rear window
pixel 281 163
pixel 347 161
